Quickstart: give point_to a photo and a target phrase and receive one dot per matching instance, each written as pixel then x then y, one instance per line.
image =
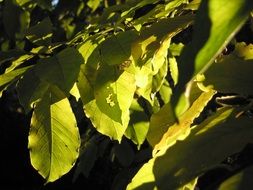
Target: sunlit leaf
pixel 54 138
pixel 7 78
pixel 103 123
pixel 164 120
pixel 61 70
pixel 75 92
pixel 138 125
pixel 117 49
pixel 208 144
pixel 16 63
pixel 97 114
pixel 215 24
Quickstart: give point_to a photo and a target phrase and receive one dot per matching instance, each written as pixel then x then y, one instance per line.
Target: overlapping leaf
pixel 233 74
pixel 164 131
pixel 215 24
pixel 61 70
pixel 208 144
pixel 7 78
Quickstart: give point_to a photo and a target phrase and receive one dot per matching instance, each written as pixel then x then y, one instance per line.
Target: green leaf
pixel 231 75
pixel 241 180
pixel 215 24
pixel 138 125
pixel 208 144
pixel 75 92
pixel 41 33
pixel 117 49
pixel 85 89
pixel 168 26
pixel 106 92
pixel 164 120
pixel 30 89
pixel 54 139
pixel 16 63
pixel 61 70
pixel 8 78
pixel 113 93
pixel 103 123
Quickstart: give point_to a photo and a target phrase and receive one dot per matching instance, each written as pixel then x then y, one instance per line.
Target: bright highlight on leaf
pixel 171 78
pixel 215 24
pixel 54 139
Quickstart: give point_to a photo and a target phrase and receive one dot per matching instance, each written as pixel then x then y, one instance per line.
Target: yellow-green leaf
pixel 208 144
pixel 54 138
pixel 215 24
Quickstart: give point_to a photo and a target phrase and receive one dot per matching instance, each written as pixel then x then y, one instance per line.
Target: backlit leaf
pixel 164 120
pixel 61 70
pixel 215 24
pixel 208 144
pixel 8 78
pixel 54 138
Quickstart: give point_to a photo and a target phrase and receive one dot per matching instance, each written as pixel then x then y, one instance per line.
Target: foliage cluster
pixel 134 77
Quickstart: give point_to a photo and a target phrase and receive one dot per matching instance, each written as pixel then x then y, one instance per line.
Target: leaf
pixel 54 139
pixel 8 78
pixel 41 34
pixel 61 70
pixel 103 123
pixel 114 91
pixel 75 92
pixel 117 49
pixel 30 89
pixel 153 44
pixel 87 159
pixel 138 125
pixel 106 92
pixel 241 180
pixel 164 119
pixel 165 92
pixel 237 77
pixel 85 89
pixel 168 26
pixel 207 145
pixel 215 24
pixel 16 63
pixel 86 49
